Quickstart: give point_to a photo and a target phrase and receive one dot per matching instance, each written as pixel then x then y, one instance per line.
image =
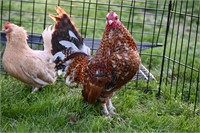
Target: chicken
pixel 20 61
pixel 114 63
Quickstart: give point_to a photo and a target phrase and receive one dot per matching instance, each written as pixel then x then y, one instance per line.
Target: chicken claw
pixel 111 107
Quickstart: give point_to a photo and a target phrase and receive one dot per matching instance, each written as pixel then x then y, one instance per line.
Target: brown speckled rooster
pixel 113 65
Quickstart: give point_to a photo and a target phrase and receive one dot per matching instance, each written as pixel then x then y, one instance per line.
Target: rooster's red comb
pixel 6 24
pixel 111 14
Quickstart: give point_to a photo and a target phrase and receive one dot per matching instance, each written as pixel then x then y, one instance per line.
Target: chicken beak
pixel 110 22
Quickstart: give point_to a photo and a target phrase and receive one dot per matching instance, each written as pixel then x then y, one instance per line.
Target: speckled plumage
pixel 114 64
pixel 116 61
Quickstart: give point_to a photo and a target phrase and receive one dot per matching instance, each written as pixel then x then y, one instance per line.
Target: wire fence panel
pixel 166 32
pixel 181 61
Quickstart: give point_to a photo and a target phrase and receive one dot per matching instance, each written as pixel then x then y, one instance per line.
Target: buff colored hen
pixel 25 64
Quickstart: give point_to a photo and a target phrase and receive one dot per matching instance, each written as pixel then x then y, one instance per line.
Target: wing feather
pixel 39 70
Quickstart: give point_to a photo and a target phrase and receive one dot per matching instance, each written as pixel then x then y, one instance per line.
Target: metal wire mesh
pixel 173 24
pixel 181 59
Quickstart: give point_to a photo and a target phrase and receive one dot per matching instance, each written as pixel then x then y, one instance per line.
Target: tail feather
pixel 68 44
pixel 66 40
pixel 70 49
pixel 64 29
pixel 147 73
pixel 47 36
pixel 144 73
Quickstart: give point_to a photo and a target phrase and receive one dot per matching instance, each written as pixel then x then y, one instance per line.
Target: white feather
pixel 119 57
pixel 71 34
pixel 58 54
pixel 145 71
pixel 47 36
pixel 85 49
pixel 67 62
pixel 60 72
pixel 67 80
pixel 143 74
pixel 96 72
pixel 68 44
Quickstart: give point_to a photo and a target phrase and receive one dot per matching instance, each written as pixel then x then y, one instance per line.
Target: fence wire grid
pixel 166 32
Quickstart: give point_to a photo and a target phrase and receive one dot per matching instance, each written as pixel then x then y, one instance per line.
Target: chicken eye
pixel 116 17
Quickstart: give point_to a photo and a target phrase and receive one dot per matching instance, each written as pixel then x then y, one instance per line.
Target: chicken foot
pixel 104 110
pixel 108 108
pixel 111 108
pixel 34 89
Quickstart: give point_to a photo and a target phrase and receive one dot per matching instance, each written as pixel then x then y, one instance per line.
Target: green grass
pixel 58 108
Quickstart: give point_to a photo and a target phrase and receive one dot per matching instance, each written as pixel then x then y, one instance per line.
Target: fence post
pixel 45 15
pixel 165 44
